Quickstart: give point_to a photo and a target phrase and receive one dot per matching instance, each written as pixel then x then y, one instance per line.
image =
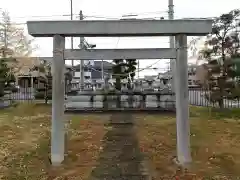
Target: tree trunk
pixel 46 94
pixel 118 84
pixel 118 101
pixel 158 100
pixel 143 101
pixel 221 103
pixel 105 101
pixel 130 96
pixel 1 90
pixel 118 87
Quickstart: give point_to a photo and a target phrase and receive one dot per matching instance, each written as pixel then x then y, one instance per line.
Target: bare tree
pixel 13 41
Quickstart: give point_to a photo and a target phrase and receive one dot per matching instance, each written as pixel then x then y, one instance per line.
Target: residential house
pixel 193 80
pixel 93 76
pixel 26 77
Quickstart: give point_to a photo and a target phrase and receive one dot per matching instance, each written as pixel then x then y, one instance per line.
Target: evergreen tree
pixel 118 72
pixel 122 69
pixel 6 77
pixel 222 46
pixel 46 92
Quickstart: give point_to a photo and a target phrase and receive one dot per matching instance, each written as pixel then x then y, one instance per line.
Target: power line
pixel 24 23
pixel 102 17
pixel 112 17
pixel 125 15
pixel 142 69
pixel 151 12
pixel 56 15
pixel 95 16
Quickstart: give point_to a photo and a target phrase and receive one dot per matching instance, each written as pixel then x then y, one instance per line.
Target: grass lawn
pixel 25 142
pixel 215 144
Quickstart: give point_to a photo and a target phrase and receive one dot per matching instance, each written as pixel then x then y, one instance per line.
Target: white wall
pixel 77 74
pixel 86 62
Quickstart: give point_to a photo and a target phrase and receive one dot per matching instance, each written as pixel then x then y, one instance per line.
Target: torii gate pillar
pixel 182 104
pixel 58 89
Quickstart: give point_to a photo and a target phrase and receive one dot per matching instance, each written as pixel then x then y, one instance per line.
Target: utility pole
pixel 102 71
pixel 172 44
pixel 103 74
pixel 138 68
pixel 71 6
pixel 81 61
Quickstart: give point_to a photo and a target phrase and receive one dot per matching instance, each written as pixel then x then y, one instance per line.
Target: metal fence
pixel 197 97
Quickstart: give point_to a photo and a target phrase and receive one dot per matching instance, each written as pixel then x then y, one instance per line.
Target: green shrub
pixel 72 93
pixel 41 89
pixel 41 95
pixel 14 89
pixel 2 93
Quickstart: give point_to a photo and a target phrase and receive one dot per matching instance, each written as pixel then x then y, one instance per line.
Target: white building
pixel 192 78
pixel 93 75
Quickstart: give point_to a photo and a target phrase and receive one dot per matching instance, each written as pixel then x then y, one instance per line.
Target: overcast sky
pixel 23 10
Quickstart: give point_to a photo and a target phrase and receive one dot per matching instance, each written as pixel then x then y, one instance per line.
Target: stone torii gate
pixel 117 28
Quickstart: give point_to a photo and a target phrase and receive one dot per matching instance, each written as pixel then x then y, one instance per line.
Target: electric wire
pixel 126 74
pixel 140 69
pixel 42 16
pixel 96 16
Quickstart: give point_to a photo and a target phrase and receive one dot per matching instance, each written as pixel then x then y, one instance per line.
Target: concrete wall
pixel 82 101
